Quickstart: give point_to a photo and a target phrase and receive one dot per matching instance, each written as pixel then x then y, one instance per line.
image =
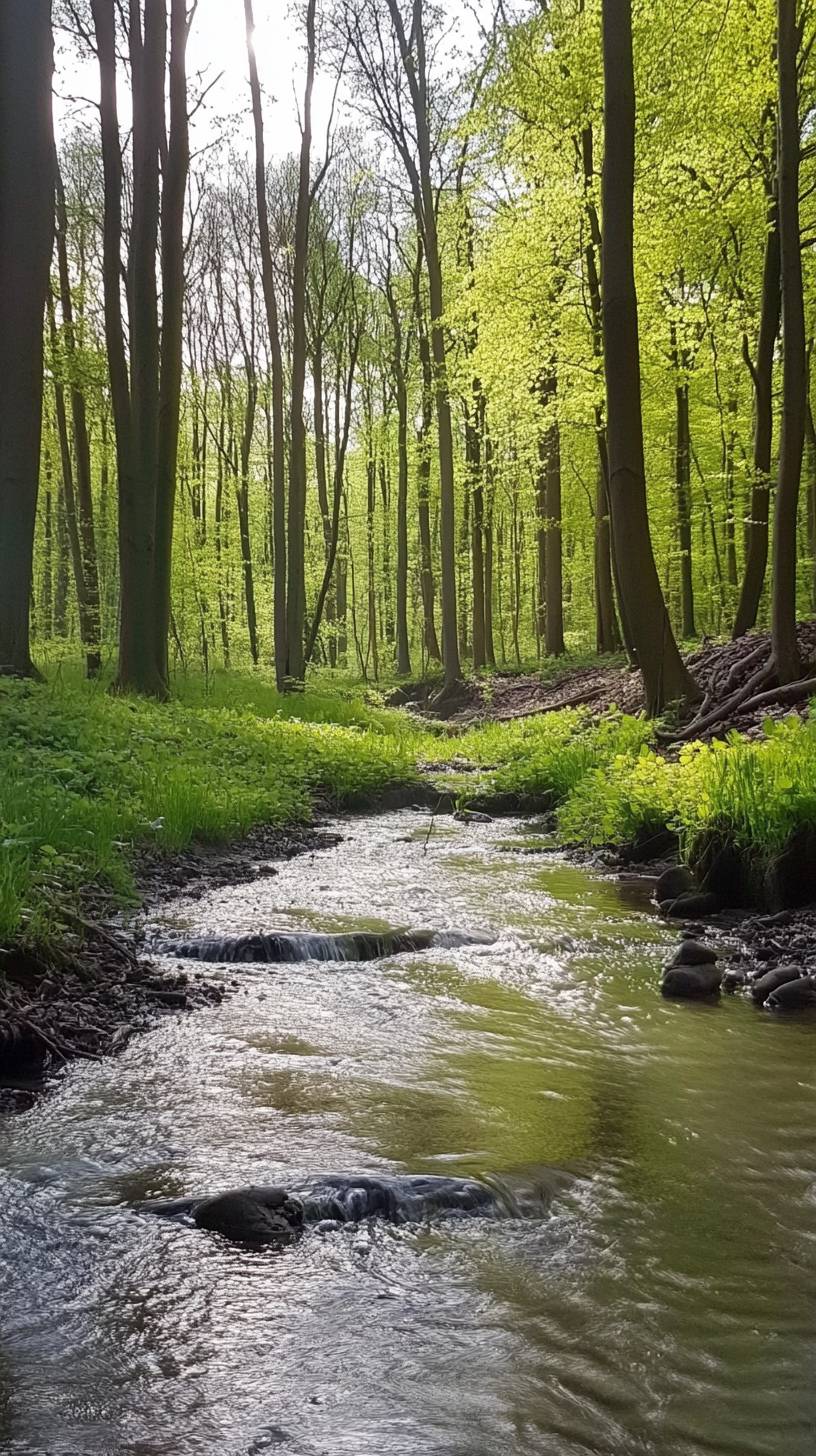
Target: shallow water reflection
pixel 662 1304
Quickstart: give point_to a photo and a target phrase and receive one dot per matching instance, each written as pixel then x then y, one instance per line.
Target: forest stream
pixel 650 1291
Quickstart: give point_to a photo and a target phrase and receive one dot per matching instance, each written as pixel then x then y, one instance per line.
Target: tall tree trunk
pixel 174 189
pixel 607 632
pixel 403 645
pixel 490 649
pixel 756 554
pixel 427 582
pixel 88 622
pixel 276 359
pixel 794 378
pixel 810 504
pixel 477 532
pixel 296 544
pixel 730 531
pixel 414 62
pixel 26 239
pixel 551 582
pixel 682 485
pixel 665 677
pixel 88 577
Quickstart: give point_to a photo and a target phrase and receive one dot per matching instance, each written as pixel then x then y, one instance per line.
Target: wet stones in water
pixel 274 1215
pixel 472 816
pixel 798 995
pixel 693 972
pixel 252 1215
pixel 763 986
pixel 285 947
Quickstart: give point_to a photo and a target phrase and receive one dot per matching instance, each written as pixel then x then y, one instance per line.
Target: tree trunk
pixel 682 486
pixel 414 62
pixel 276 358
pixel 794 378
pixel 665 677
pixel 296 544
pixel 174 189
pixel 88 578
pixel 756 555
pixel 490 650
pixel 26 238
pixel 403 646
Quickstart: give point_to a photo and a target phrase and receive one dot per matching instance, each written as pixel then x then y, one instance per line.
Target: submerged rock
pixel 261 1215
pixel 288 946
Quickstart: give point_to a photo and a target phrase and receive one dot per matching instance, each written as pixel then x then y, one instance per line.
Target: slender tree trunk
pixel 403 646
pixel 88 574
pixel 810 505
pixel 26 238
pixel 176 168
pixel 427 582
pixel 414 62
pixel 794 378
pixel 490 650
pixel 607 632
pixel 682 486
pixel 296 588
pixel 730 532
pixel 88 622
pixel 276 359
pixel 665 677
pixel 756 554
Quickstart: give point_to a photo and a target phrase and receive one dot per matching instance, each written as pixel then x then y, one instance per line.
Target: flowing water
pixel 658 1298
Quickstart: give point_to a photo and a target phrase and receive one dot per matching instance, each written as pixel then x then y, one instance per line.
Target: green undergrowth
pixel 609 785
pixel 87 779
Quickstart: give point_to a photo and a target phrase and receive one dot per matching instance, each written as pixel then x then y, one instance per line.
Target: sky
pixel 217 51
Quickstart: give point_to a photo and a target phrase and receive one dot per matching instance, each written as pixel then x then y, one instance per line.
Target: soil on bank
pixel 505 696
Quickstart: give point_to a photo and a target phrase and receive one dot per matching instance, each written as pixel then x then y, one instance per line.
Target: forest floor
pixel 505 696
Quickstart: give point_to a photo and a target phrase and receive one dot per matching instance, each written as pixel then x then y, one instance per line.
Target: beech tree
pixel 26 239
pixel 665 677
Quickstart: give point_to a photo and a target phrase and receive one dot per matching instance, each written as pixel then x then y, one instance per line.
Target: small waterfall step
pixel 283 946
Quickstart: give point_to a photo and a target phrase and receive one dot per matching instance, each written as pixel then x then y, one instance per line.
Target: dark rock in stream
pixel 770 981
pixel 288 946
pixel 691 982
pixel 798 995
pixel 263 1215
pixel 694 953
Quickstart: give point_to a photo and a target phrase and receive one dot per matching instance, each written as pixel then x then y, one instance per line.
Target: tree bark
pixel 794 376
pixel 756 554
pixel 296 526
pixel 665 677
pixel 174 188
pixel 26 239
pixel 414 62
pixel 276 360
pixel 682 486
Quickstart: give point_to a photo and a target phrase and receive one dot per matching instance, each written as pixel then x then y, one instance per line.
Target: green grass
pixel 87 778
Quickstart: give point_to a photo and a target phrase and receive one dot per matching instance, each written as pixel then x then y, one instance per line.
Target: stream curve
pixel 659 1297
